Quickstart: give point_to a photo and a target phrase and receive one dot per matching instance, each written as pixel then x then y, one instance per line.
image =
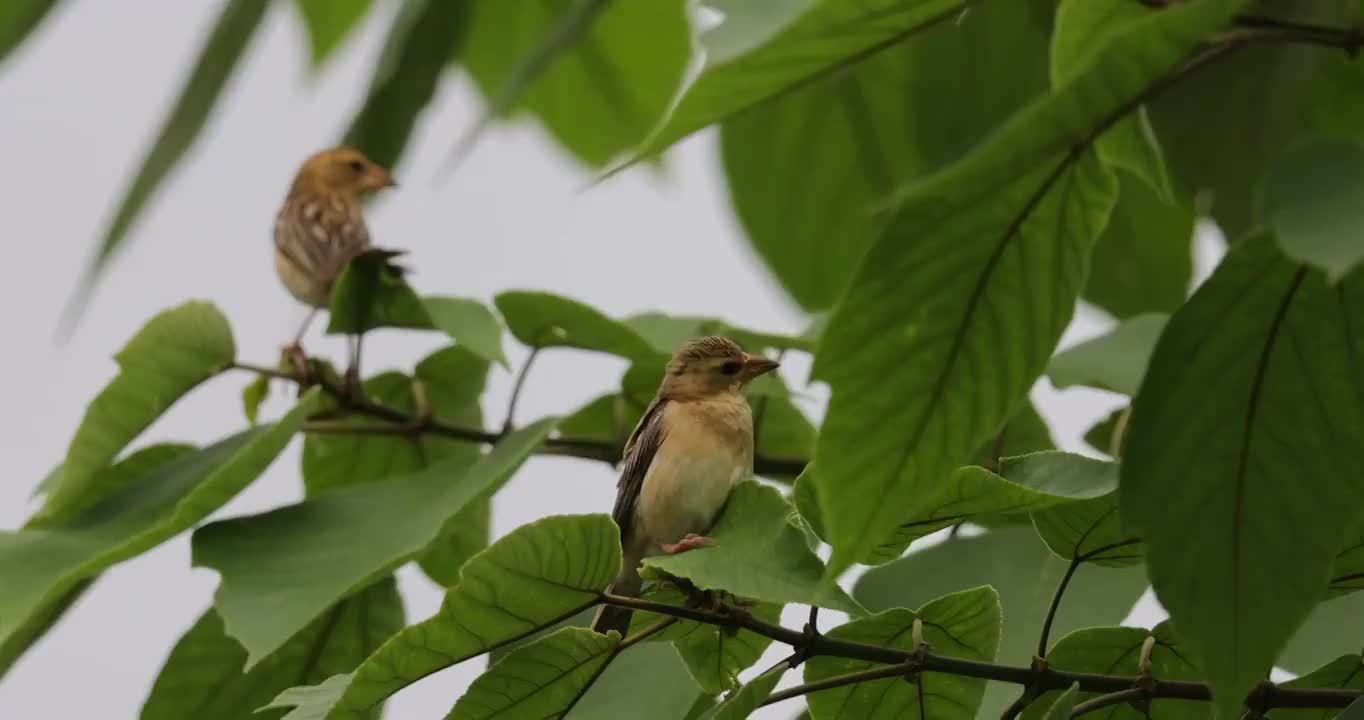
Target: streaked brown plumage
pixel 692 445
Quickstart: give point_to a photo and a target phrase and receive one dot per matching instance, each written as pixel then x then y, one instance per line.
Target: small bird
pixel 693 444
pixel 320 228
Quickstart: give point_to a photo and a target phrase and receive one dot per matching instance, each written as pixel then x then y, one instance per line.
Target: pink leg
pixel 691 542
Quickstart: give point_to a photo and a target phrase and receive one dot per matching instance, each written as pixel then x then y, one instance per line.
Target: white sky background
pixel 79 104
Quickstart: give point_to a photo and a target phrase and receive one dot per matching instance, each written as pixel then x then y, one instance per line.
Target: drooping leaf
pixel 964 624
pixel 1314 203
pixel 755 524
pixel 416 51
pixel 218 58
pixel 1143 261
pixel 540 319
pixel 1333 628
pixel 1236 408
pixel 1113 361
pixel 168 357
pixel 1346 671
pixel 332 545
pixel 742 702
pixel 470 323
pixel 162 491
pixel 1117 651
pixel 1015 563
pixel 862 133
pixel 203 677
pixel 533 577
pixel 647 680
pixel 17 19
pixel 995 244
pixel 328 22
pixel 370 293
pixel 715 656
pixel 597 75
pixel 542 679
pixel 1089 530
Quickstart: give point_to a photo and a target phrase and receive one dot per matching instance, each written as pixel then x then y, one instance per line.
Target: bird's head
pixel 711 365
pixel 343 171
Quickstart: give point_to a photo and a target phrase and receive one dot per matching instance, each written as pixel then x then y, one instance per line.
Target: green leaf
pixel 862 133
pixel 462 538
pixel 996 243
pixel 1113 361
pixel 826 38
pixel 667 332
pixel 203 676
pixel 1064 704
pixel 541 320
pixel 1312 201
pixel 162 491
pixel 253 395
pixel 1015 562
pixel 217 59
pixel 1236 405
pixel 1089 530
pixel 1081 27
pixel 1143 261
pixel 371 293
pixel 536 575
pixel 328 22
pixel 1347 572
pixel 647 680
pixel 755 524
pixel 168 357
pixel 311 702
pixel 715 656
pixel 1334 627
pixel 965 624
pixel 781 430
pixel 470 323
pixel 423 36
pixel 744 701
pixel 597 83
pixel 1346 671
pixel 1117 651
pixel 1103 435
pixel 18 18
pixel 543 679
pixel 609 418
pixel 332 545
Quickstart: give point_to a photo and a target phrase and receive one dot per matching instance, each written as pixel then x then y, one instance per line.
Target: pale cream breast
pixel 706 449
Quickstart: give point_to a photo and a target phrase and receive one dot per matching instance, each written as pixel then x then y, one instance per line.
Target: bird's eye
pixel 357 165
pixel 731 367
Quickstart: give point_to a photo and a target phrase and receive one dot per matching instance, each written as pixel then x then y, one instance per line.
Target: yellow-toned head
pixel 711 365
pixel 344 171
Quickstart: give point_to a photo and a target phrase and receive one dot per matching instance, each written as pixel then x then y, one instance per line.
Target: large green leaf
pixel 1089 530
pixel 218 58
pixel 862 132
pixel 647 680
pixel 1117 651
pixel 1346 671
pixel 828 37
pixel 1113 361
pixel 543 679
pixel 755 524
pixel 1016 564
pixel 956 308
pixel 965 624
pixel 1241 429
pixel 17 19
pixel 371 293
pixel 1314 202
pixel 597 74
pixel 715 655
pixel 168 357
pixel 1143 261
pixel 742 702
pixel 470 323
pixel 162 491
pixel 331 546
pixel 424 35
pixel 329 22
pixel 535 576
pixel 1334 627
pixel 541 319
pixel 203 676
pixel 1347 572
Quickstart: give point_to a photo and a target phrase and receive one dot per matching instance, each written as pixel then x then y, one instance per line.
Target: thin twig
pixel 1043 641
pixel 1103 701
pixel 507 424
pixel 837 681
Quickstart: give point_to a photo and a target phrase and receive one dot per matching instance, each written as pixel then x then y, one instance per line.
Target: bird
pixel 692 445
pixel 320 228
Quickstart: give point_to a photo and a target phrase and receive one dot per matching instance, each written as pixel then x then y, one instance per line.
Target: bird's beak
pixel 755 365
pixel 381 178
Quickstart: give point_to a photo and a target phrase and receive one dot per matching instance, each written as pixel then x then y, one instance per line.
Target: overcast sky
pixel 78 106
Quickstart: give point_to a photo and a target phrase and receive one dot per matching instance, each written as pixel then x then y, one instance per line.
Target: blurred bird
pixel 692 445
pixel 320 228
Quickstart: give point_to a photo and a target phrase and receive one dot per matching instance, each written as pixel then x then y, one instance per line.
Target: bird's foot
pixel 691 542
pixel 293 355
pixel 351 386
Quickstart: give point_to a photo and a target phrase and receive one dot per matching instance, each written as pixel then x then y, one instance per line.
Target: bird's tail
pixel 612 617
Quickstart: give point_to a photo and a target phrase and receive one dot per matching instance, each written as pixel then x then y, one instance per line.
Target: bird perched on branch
pixel 320 228
pixel 692 445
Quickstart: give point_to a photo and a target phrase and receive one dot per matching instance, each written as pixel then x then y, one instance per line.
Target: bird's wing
pixel 640 450
pixel 320 236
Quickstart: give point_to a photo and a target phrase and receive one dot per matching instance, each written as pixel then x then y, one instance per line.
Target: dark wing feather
pixel 640 450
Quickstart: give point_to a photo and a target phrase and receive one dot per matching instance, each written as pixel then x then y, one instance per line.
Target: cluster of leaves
pixel 940 181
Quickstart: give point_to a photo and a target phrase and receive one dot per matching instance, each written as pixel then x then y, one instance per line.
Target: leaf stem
pixel 1043 641
pixel 1109 700
pixel 507 424
pixel 837 681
